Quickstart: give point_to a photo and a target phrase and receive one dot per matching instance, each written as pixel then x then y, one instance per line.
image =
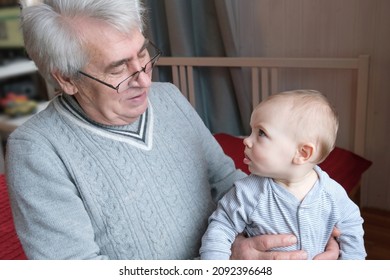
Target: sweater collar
pixel 138 133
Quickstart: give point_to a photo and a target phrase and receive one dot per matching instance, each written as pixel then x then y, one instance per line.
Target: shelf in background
pixel 17 68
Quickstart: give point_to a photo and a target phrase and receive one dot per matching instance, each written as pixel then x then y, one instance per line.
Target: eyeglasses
pixel 126 83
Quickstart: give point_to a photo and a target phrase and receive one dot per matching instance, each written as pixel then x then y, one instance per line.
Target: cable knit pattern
pixel 80 190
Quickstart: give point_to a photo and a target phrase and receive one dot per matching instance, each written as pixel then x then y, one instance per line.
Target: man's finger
pixel 267 242
pixel 277 255
pixel 332 251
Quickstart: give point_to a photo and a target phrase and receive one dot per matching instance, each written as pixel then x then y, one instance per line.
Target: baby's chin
pixel 263 173
pixel 258 173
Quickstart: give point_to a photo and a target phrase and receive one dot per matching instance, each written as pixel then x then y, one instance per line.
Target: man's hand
pixel 256 248
pixel 332 249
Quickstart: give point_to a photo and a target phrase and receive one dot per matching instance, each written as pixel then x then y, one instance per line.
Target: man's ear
pixel 66 83
pixel 304 153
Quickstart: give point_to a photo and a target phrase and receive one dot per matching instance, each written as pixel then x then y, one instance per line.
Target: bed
pixel 345 165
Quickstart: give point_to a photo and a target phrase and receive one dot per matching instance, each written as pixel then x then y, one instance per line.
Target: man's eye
pixel 262 133
pixel 118 70
pixel 143 54
pixel 116 73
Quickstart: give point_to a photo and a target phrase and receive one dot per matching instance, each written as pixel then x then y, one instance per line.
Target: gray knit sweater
pixel 80 190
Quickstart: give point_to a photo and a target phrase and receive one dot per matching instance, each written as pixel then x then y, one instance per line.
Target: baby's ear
pixel 304 153
pixel 66 83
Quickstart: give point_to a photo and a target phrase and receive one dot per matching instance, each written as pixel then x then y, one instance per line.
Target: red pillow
pixel 234 148
pixel 10 247
pixel 343 166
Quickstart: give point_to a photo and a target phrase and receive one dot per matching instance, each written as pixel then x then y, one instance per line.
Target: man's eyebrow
pixel 115 64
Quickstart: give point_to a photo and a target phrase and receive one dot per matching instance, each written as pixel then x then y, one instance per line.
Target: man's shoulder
pixel 167 94
pixel 163 87
pixel 38 124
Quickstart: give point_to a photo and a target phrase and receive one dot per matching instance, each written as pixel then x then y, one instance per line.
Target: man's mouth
pixel 137 98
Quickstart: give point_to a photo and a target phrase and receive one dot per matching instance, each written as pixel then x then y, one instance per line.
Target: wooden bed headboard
pixel 264 79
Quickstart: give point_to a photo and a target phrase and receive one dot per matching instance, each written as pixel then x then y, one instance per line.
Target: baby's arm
pixel 227 221
pixel 351 238
pixel 350 226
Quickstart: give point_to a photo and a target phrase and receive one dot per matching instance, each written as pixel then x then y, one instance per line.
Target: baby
pixel 287 192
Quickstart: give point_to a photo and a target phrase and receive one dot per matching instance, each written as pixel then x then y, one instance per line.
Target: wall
pixel 330 28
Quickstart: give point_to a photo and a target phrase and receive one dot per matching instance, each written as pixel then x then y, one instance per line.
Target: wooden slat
pixel 361 105
pixel 183 80
pixel 265 91
pixel 191 88
pixel 175 76
pixel 255 87
pixel 319 63
pixel 274 80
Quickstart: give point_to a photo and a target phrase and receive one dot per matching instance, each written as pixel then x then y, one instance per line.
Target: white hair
pixel 51 35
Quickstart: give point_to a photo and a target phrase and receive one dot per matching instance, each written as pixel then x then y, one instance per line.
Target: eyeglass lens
pixel 153 56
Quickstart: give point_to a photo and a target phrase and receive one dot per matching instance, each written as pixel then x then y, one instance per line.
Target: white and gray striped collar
pixel 139 133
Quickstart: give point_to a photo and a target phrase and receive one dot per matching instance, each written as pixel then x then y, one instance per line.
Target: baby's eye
pixel 262 133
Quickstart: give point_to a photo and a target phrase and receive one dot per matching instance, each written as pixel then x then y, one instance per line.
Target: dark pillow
pixel 10 247
pixel 343 166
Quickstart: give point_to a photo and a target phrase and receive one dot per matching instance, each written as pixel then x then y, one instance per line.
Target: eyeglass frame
pixel 153 60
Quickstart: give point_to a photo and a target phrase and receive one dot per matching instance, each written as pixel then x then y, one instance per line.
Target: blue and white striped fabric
pixel 257 205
